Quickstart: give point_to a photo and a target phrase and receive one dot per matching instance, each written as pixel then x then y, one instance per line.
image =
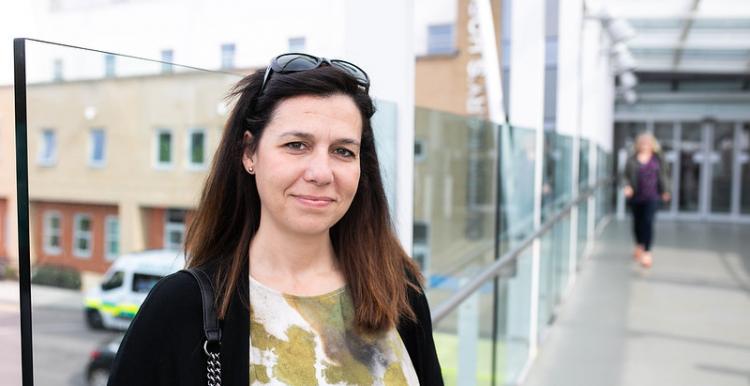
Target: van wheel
pixel 94 319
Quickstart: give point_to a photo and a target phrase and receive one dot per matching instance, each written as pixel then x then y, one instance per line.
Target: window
pixel 420 150
pixel 168 57
pixel 227 55
pixel 114 281
pixel 57 70
pixel 163 148
pixel 142 283
pixel 82 235
pixel 440 39
pixel 197 148
pixel 52 232
pixel 48 148
pixel 96 153
pixel 109 66
pixel 421 247
pixel 112 237
pixel 174 228
pixel 297 44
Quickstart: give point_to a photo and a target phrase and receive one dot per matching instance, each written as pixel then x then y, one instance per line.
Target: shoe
pixel 646 260
pixel 638 253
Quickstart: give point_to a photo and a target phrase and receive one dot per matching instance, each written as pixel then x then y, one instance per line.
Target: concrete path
pixel 684 322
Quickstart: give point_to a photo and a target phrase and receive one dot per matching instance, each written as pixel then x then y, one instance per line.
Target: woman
pixel 646 183
pixel 293 227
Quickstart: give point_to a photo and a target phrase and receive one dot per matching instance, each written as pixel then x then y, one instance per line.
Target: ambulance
pixel 114 303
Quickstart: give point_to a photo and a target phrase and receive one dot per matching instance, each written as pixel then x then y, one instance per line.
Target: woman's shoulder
pixel 174 293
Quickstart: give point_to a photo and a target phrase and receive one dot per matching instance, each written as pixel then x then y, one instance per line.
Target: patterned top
pixel 648 181
pixel 301 341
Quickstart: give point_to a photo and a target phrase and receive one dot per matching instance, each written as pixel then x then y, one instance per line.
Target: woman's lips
pixel 313 201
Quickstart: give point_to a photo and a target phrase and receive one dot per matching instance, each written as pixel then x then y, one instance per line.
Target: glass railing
pixel 117 148
pixel 464 229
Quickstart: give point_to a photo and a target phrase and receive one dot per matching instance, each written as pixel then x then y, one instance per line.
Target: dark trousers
pixel 644 214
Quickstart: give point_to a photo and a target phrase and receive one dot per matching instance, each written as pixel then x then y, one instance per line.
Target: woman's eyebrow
pixel 348 141
pixel 299 134
pixel 310 137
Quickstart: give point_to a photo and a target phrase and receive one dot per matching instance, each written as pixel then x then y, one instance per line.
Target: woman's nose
pixel 319 169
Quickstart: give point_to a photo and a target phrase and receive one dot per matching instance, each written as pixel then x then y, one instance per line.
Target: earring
pixel 250 170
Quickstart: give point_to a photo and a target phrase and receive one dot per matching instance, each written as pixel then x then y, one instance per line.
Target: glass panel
pixel 721 159
pixel 454 197
pixel 557 184
pixel 583 162
pixel 70 125
pixel 513 321
pixel 691 157
pixel 664 133
pixel 553 272
pixel 582 229
pixel 464 340
pixel 744 164
pixel 518 151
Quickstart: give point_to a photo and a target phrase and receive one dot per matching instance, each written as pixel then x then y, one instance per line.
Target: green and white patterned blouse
pixel 301 341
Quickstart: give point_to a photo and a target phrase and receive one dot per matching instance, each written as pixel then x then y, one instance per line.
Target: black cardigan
pixel 164 344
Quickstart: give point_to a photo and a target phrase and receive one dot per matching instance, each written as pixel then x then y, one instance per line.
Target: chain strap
pixel 213 367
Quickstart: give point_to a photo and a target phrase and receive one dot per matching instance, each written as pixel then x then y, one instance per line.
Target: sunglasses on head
pixel 296 62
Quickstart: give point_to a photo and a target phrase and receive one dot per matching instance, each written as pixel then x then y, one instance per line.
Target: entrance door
pixel 691 160
pixel 721 164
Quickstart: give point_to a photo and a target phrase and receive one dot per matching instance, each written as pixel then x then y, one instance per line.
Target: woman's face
pixel 306 165
pixel 645 145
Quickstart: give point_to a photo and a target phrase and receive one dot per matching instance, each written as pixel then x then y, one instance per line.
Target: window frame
pixel 448 50
pixel 174 226
pixel 85 254
pixel 228 62
pixel 108 220
pixel 51 160
pixel 297 39
pixel 46 232
pixel 189 149
pixel 156 150
pixel 92 148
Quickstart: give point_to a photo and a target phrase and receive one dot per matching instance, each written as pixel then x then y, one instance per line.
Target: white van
pixel 114 303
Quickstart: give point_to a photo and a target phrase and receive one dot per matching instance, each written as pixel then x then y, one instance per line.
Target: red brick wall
pixel 97 262
pixel 155 228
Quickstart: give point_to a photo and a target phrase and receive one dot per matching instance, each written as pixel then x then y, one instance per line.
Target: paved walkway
pixel 684 322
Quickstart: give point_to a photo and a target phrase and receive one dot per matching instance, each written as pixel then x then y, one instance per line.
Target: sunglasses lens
pixel 352 70
pixel 296 62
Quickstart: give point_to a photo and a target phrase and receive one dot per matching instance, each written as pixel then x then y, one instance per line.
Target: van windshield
pixel 114 281
pixel 142 283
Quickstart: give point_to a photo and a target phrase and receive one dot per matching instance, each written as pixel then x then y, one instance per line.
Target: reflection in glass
pixel 721 159
pixel 691 158
pixel 744 164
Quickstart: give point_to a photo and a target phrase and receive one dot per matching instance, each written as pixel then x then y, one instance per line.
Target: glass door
pixel 665 134
pixel 691 159
pixel 743 164
pixel 720 162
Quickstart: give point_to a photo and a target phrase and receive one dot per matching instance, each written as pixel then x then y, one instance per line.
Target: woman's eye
pixel 295 145
pixel 345 152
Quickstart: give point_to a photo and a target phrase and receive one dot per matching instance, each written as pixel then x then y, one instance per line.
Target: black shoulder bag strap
pixel 211 327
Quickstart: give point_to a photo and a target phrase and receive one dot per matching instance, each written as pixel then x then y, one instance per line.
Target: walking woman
pixel 311 284
pixel 646 184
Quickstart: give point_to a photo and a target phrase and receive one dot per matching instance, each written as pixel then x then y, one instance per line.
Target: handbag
pixel 211 327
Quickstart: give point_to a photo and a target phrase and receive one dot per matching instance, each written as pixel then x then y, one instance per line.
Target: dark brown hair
pixel 377 270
